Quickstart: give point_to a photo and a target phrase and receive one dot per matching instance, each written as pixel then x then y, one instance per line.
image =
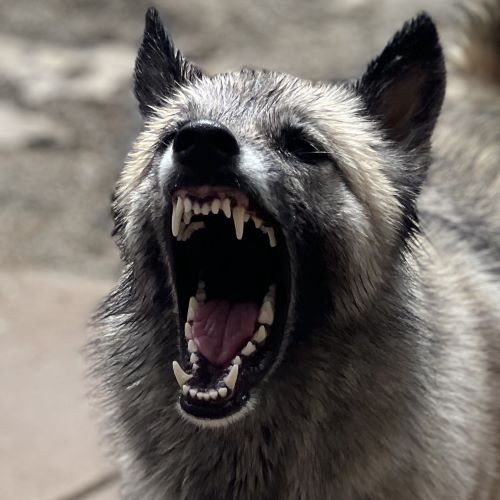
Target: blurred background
pixel 67 119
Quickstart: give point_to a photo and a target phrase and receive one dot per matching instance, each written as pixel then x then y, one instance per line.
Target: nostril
pixel 204 139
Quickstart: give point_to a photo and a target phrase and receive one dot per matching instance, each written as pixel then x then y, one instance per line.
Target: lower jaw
pixel 214 394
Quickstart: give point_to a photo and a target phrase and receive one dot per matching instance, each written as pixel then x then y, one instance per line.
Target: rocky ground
pixel 67 118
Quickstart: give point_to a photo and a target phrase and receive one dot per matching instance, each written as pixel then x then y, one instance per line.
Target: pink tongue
pixel 221 329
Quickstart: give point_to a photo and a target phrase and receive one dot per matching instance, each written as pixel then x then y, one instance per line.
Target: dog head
pixel 259 214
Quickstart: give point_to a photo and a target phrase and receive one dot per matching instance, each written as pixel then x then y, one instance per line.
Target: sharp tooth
pixel 196 208
pixel 260 335
pixel 222 392
pixel 192 307
pixel 192 392
pixel 180 375
pixel 216 204
pixel 182 226
pixel 257 221
pixel 226 207
pixel 248 349
pixel 193 358
pixel 205 208
pixel 188 331
pixel 187 217
pixel 188 205
pixel 213 393
pixel 239 221
pixel 230 379
pixel 185 389
pixel 192 346
pixel 266 314
pixel 272 237
pixel 236 361
pixel 177 215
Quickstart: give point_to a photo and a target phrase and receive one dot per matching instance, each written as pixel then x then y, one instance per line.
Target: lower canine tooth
pixel 231 378
pixel 266 315
pixel 213 393
pixel 248 349
pixel 239 221
pixel 180 375
pixel 260 335
pixel 226 207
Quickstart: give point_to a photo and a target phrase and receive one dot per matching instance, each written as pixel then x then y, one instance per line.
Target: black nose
pixel 205 144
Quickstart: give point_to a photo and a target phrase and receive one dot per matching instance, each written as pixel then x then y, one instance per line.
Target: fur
pixel 388 382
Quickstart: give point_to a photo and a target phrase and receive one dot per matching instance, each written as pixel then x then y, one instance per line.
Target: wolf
pixel 309 306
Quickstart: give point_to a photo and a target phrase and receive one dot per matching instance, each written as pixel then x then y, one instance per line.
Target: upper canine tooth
pixel 196 208
pixel 180 375
pixel 205 208
pixel 232 377
pixel 260 335
pixel 177 215
pixel 226 207
pixel 216 204
pixel 192 307
pixel 266 314
pixel 239 221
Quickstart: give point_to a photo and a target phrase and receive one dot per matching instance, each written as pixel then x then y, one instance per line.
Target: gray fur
pixel 388 387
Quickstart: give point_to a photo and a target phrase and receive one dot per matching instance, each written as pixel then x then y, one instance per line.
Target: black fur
pixel 159 66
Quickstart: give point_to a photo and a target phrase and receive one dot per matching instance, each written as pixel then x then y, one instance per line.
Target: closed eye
pixel 297 143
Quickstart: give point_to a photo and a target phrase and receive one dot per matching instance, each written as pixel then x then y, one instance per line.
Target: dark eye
pixel 294 141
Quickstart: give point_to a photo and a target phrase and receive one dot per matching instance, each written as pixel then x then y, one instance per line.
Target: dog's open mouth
pixel 230 269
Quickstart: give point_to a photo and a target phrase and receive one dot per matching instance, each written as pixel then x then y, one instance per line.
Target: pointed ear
pixel 159 66
pixel 404 86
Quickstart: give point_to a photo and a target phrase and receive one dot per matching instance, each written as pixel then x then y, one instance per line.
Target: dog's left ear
pixel 404 86
pixel 159 66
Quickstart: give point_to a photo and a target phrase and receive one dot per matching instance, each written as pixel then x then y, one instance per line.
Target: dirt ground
pixel 67 118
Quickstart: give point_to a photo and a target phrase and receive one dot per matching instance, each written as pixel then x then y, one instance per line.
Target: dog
pixel 310 300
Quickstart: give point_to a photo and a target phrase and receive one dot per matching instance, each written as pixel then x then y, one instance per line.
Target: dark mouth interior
pixel 233 272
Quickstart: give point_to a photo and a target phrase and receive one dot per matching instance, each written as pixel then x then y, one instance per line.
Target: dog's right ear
pixel 159 66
